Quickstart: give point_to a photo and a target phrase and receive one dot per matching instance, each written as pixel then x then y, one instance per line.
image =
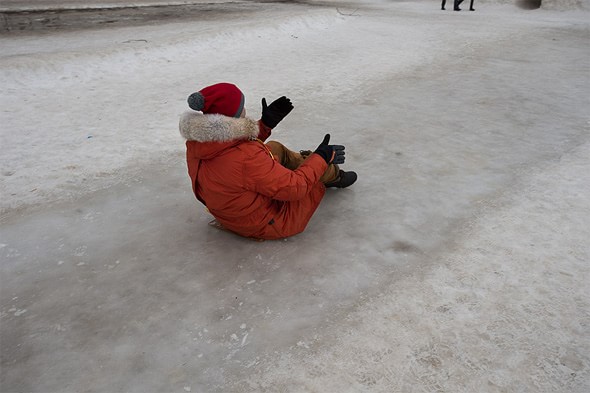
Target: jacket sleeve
pixel 263 131
pixel 266 176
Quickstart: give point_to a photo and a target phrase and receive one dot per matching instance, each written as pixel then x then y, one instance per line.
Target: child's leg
pixel 291 160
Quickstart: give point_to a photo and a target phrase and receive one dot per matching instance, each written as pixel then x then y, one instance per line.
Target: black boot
pixel 345 179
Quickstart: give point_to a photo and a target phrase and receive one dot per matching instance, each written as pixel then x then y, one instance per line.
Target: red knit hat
pixel 221 98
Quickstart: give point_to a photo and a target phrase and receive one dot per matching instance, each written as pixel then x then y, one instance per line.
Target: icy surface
pixel 459 262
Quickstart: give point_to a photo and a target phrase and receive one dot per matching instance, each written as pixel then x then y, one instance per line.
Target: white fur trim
pixel 195 126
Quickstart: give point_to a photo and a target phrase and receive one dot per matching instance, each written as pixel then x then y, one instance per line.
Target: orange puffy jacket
pixel 234 174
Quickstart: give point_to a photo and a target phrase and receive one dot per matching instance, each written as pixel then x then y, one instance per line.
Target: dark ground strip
pixel 14 21
pixel 65 19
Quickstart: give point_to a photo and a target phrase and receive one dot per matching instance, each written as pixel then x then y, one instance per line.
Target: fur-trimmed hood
pixel 198 127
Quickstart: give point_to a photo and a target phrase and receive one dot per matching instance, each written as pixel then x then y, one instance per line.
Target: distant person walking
pixel 456 5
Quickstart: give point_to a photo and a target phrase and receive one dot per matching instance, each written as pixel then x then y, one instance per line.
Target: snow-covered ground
pixel 459 262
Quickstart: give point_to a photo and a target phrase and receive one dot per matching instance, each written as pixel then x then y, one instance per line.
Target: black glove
pixel 332 154
pixel 276 111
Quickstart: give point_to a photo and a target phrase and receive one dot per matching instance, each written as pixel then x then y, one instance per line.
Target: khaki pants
pixel 291 160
